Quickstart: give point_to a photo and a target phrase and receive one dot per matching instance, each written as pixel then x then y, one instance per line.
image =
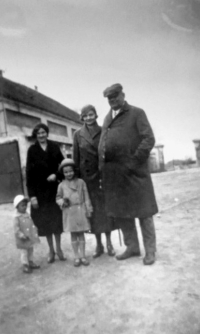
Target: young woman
pixel 85 153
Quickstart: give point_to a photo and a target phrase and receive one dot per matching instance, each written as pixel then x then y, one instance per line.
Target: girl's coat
pixel 75 215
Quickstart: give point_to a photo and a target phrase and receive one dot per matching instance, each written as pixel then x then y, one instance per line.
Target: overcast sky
pixel 73 49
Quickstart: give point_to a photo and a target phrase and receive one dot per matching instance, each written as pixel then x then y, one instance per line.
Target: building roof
pixel 20 93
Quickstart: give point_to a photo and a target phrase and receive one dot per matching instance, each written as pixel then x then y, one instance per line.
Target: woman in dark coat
pixel 85 153
pixel 43 159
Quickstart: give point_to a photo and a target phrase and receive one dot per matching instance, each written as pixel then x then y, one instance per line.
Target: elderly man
pixel 124 148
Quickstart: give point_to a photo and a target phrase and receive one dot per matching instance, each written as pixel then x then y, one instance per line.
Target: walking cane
pixel 120 239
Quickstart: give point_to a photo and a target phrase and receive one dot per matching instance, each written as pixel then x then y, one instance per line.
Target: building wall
pixel 197 149
pixel 198 157
pixel 156 159
pixel 153 161
pixel 2 120
pixel 160 157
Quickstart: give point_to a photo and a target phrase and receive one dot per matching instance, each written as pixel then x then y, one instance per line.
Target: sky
pixel 73 49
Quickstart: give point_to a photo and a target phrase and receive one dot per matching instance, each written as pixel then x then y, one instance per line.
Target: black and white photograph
pixel 100 167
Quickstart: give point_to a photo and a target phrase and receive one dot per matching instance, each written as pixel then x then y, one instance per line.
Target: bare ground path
pixel 111 296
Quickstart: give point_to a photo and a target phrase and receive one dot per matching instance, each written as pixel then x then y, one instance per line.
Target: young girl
pixel 25 234
pixel 73 199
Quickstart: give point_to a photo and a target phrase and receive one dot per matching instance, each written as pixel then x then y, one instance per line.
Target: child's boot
pixel 27 269
pixel 75 246
pixel 84 261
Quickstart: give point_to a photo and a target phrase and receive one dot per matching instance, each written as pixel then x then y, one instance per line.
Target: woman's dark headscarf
pixel 38 127
pixel 86 109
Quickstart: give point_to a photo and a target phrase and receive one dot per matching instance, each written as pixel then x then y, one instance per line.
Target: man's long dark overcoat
pixel 85 154
pixel 40 164
pixel 124 148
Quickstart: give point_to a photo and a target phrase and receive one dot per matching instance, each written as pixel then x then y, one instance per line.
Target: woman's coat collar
pixel 87 136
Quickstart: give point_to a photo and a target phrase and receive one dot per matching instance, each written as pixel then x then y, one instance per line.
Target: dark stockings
pixel 58 243
pixel 108 239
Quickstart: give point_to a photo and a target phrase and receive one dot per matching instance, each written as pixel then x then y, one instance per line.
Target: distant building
pixel 197 149
pixel 156 159
pixel 21 108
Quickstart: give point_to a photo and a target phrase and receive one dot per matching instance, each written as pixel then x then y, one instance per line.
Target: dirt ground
pixel 112 296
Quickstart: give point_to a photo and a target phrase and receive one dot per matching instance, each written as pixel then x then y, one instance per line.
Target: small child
pixel 25 234
pixel 73 199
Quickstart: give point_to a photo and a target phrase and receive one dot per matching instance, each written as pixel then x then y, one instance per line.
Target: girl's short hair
pixel 38 127
pixel 86 109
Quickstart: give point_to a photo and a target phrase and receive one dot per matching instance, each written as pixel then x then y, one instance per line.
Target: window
pixel 21 120
pixel 57 129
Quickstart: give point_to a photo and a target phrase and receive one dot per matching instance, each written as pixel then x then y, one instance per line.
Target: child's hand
pixel 66 203
pixel 23 237
pixel 88 214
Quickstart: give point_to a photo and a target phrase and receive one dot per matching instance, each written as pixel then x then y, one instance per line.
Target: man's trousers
pixel 131 237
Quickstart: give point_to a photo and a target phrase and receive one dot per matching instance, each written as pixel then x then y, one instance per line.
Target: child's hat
pixel 18 199
pixel 66 162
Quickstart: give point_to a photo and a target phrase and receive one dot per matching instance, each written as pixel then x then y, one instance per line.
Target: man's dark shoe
pixel 149 259
pixel 99 251
pixel 128 253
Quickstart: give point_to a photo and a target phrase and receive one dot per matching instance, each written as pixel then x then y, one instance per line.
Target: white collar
pixel 115 112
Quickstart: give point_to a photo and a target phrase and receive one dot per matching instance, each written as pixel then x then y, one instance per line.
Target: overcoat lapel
pixel 87 136
pixel 110 119
pixel 96 130
pixel 123 110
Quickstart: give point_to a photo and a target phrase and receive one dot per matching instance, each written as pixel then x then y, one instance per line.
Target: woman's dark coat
pixel 124 148
pixel 85 154
pixel 41 164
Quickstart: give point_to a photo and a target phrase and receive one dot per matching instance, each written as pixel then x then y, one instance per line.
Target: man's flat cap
pixel 113 90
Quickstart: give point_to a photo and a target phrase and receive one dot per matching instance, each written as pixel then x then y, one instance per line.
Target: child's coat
pixel 24 227
pixel 75 216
